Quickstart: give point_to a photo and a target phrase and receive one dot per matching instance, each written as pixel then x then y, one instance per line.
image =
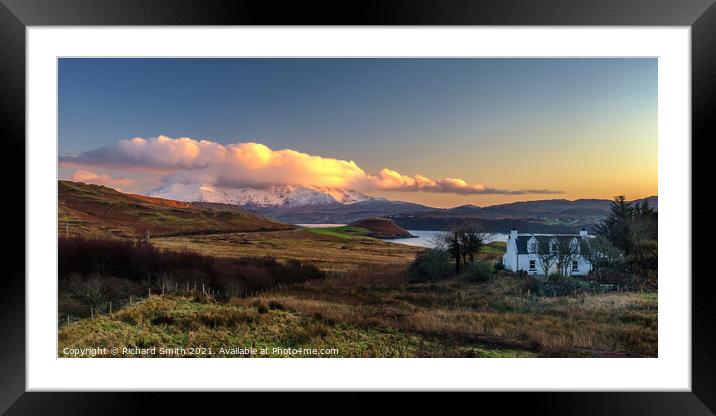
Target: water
pixel 425 238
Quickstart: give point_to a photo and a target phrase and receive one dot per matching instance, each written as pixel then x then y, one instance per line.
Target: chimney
pixel 583 233
pixel 513 233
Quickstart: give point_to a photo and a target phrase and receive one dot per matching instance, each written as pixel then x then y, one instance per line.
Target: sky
pixel 441 132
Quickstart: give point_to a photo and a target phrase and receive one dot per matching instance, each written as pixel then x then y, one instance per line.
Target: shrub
pixel 431 264
pixel 564 285
pixel 531 284
pixel 480 271
pixel 86 259
pixel 556 278
pixel 385 275
pixel 643 260
pixel 274 304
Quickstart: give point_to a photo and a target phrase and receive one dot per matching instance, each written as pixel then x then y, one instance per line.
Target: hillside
pixel 381 228
pixel 339 214
pixel 544 216
pixel 94 209
pixel 552 215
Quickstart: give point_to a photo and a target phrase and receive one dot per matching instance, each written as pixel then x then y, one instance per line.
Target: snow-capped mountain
pixel 274 196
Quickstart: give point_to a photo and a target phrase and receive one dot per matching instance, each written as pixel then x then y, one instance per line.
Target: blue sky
pixel 486 121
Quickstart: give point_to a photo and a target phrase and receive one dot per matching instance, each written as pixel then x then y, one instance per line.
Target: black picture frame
pixel 15 15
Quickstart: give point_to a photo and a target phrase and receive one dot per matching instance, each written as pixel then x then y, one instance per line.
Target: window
pixel 575 265
pixel 532 265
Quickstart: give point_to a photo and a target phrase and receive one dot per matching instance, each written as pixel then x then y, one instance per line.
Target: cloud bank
pixel 186 160
pixel 87 176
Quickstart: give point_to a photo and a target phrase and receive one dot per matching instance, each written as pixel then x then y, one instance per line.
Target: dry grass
pixel 494 314
pixel 172 322
pixel 327 252
pixel 368 308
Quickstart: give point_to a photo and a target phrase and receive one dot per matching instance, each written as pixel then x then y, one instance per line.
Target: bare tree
pixel 567 251
pixel 462 243
pixel 451 241
pixel 472 241
pixel 545 249
pixel 90 292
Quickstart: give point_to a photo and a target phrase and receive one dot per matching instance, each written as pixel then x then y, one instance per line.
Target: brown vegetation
pixel 103 212
pixel 381 228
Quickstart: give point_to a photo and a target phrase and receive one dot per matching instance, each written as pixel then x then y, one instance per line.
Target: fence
pixel 169 288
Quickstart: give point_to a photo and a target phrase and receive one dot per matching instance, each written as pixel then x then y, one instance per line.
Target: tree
pixel 633 229
pixel 546 255
pixel 472 241
pixel 601 254
pixel 615 227
pixel 644 224
pixel 451 241
pixel 643 260
pixel 566 251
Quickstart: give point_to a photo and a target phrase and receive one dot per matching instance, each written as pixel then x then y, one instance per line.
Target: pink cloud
pixel 86 176
pixel 186 160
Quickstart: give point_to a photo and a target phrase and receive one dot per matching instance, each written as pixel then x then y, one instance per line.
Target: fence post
pixel 92 313
pixel 110 306
pixel 150 292
pixel 68 319
pixel 130 300
pixel 162 287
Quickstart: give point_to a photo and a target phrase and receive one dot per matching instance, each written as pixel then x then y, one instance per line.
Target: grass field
pixel 330 251
pixel 344 231
pixel 364 315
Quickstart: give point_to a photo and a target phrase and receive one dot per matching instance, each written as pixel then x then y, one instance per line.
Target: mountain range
pixel 269 197
pixel 315 205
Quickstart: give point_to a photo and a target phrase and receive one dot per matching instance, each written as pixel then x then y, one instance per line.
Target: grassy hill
pixel 98 210
pixel 330 249
pixel 381 228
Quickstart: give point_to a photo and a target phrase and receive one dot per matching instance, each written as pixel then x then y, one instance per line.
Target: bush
pixel 432 264
pixel 531 284
pixel 556 278
pixel 118 262
pixel 480 271
pixel 564 286
pixel 643 261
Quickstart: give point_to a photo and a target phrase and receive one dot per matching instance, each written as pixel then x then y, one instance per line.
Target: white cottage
pixel 521 254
